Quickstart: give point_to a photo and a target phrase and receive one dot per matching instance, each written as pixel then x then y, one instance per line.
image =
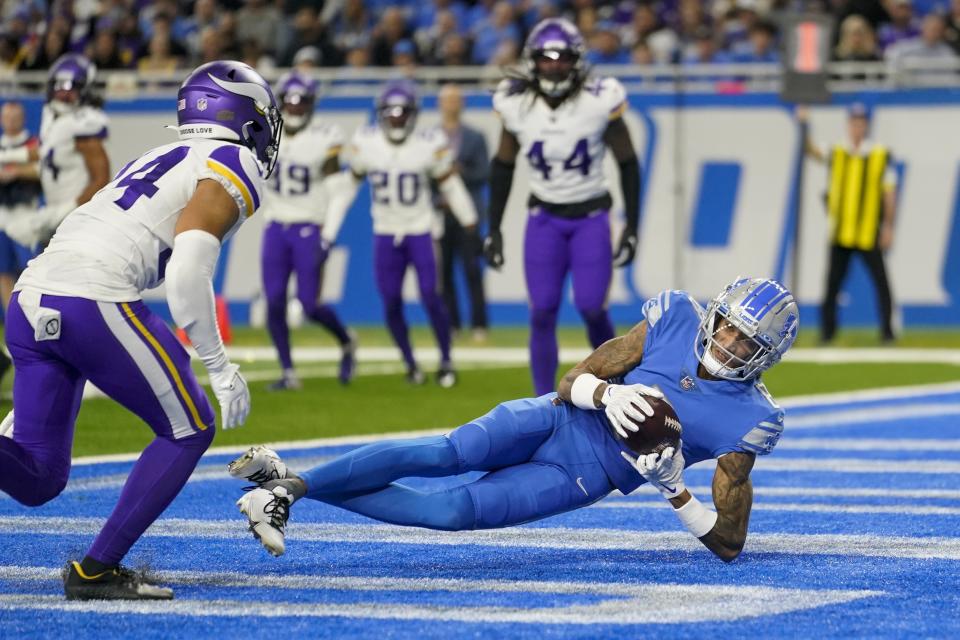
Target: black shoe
pixel 415 377
pixel 119 583
pixel 5 364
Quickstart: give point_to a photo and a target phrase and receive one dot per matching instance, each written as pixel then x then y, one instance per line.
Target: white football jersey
pixel 63 172
pixel 564 147
pixel 293 192
pixel 117 244
pixel 399 176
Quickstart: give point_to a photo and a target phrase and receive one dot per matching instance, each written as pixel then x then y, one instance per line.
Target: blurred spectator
pixel 738 26
pixel 704 49
pixel 252 53
pixel 489 34
pixel 358 58
pixel 405 57
pixel 262 23
pixel 209 46
pixel 159 58
pixel 454 51
pixel 205 14
pixel 641 54
pixel 506 54
pixel 306 30
pixel 104 53
pixel 9 52
pixel 857 41
pixel 431 40
pixel 761 46
pixel 391 30
pixel 41 58
pixel 953 26
pixel 644 21
pixel 930 45
pixel 307 58
pixel 902 26
pixel 351 27
pixel 605 47
pixel 425 13
pixel 229 42
pixel 129 39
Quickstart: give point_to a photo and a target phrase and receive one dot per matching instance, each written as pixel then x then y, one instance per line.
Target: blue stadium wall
pixel 721 180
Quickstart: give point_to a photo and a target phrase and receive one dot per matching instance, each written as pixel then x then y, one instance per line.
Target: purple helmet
pixel 553 55
pixel 227 100
pixel 70 82
pixel 297 93
pixel 397 109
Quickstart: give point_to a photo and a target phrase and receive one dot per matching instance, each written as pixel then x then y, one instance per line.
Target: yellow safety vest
pixel 855 199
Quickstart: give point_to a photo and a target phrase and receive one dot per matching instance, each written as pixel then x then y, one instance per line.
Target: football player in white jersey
pixel 77 315
pixel 73 162
pixel 400 163
pixel 298 235
pixel 562 121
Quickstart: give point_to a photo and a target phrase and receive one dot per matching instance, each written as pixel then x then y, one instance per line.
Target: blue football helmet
pixel 764 311
pixel 227 100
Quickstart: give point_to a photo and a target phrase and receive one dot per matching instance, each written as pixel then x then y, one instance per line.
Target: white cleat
pixel 258 465
pixel 6 427
pixel 267 512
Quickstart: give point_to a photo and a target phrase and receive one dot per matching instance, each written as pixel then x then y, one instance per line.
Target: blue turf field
pixel 855 532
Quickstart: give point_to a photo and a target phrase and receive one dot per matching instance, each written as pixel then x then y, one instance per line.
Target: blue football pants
pixel 537 458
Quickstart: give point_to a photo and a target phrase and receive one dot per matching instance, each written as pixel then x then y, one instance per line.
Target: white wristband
pixel 581 392
pixel 696 518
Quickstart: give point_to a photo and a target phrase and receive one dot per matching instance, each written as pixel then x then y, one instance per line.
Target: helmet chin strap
pixel 713 366
pixel 295 123
pixel 558 88
pixel 396 135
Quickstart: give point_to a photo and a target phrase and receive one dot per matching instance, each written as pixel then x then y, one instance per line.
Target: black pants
pixel 839 263
pixel 468 246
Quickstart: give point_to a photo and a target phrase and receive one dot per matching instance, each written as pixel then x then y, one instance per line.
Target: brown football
pixel 657 432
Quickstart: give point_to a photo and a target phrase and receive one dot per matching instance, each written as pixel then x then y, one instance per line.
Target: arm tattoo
pixel 611 359
pixel 733 498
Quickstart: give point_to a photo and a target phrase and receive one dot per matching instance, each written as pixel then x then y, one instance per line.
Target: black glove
pixel 627 248
pixel 493 249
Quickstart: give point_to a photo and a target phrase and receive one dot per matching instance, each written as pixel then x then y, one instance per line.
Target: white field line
pixel 516 537
pixel 801 507
pixel 909 414
pixel 619 603
pixel 520 355
pixel 932 445
pixel 826 492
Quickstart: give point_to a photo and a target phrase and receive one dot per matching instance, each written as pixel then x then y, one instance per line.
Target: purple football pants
pixel 553 247
pixel 390 262
pixel 133 357
pixel 294 249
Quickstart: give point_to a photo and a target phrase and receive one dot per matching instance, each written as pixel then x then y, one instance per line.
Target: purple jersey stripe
pixel 229 156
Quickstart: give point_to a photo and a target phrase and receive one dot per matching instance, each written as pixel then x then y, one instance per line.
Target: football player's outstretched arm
pixel 610 360
pixel 501 180
pixel 733 499
pixel 203 223
pixel 98 166
pixel 617 138
pixel 340 189
pixel 458 199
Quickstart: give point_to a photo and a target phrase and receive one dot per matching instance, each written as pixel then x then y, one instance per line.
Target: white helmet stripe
pixel 249 89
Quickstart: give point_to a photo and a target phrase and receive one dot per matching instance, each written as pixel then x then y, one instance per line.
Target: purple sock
pixel 280 332
pixel 543 349
pixel 155 480
pixel 440 321
pixel 599 326
pixel 325 316
pixel 397 325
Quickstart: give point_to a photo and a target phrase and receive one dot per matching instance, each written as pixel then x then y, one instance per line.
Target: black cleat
pixel 415 377
pixel 119 583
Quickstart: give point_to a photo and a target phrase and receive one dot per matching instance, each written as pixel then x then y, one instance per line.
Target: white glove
pixel 662 470
pixel 623 402
pixel 232 393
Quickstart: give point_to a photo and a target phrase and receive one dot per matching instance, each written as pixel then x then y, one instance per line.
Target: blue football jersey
pixel 718 416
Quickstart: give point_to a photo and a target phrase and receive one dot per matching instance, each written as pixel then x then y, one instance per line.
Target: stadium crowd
pixel 165 35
